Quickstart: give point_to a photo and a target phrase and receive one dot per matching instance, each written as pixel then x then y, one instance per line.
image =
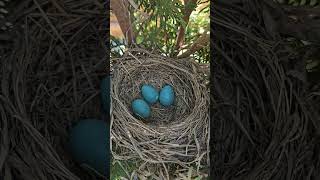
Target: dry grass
pixel 266 111
pixel 176 136
pixel 50 71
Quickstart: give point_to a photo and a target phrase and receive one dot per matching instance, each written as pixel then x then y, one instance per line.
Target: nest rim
pixel 151 144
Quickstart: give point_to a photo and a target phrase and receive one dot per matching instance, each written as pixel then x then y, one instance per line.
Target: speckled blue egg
pixel 105 93
pixel 166 96
pixel 141 108
pixel 89 144
pixel 149 93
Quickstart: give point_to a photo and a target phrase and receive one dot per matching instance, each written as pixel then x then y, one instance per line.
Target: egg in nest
pixel 149 93
pixel 167 95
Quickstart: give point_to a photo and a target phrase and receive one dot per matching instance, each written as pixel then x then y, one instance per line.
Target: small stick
pixel 3 11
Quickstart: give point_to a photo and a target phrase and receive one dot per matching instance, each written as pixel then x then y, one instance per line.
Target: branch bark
pixel 201 42
pixel 187 12
pixel 120 9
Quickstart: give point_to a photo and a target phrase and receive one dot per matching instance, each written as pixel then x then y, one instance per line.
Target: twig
pixel 201 42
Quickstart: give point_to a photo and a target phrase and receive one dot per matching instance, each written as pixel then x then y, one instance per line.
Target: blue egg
pixel 89 144
pixel 166 97
pixel 150 94
pixel 141 108
pixel 105 93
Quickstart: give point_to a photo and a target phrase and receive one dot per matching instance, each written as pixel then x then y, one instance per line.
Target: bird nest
pixel 175 135
pixel 51 65
pixel 266 105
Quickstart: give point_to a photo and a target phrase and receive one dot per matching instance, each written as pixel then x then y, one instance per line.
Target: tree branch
pixel 120 9
pixel 201 42
pixel 188 4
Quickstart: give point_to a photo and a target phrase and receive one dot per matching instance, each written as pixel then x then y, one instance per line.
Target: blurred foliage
pixel 312 64
pixel 118 172
pixel 198 24
pixel 117 47
pixel 156 25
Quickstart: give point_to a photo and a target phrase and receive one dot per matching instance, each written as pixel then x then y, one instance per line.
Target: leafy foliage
pixel 159 30
pixel 198 24
pixel 156 25
pixel 118 171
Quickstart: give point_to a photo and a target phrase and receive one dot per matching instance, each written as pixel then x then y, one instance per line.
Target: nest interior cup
pixel 176 134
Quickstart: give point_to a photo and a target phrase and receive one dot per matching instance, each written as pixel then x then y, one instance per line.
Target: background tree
pixel 177 28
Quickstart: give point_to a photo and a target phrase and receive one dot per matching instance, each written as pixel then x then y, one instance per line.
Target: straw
pixel 174 136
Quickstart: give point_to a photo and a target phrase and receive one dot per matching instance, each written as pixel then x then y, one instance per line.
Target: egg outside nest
pixel 88 145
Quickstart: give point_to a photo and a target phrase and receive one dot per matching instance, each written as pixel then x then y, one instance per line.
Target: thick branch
pixel 188 4
pixel 201 42
pixel 120 9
